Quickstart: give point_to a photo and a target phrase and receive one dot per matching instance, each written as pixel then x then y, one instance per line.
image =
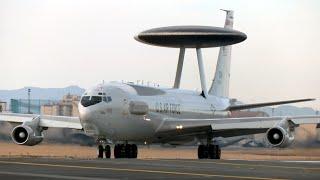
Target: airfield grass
pixel 8 149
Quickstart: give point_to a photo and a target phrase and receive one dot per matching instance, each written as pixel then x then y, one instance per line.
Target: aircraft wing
pixel 227 127
pixel 257 105
pixel 45 121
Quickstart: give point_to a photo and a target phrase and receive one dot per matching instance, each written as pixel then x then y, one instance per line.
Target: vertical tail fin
pixel 220 84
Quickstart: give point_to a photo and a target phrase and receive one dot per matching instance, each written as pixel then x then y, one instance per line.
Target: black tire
pixel 100 151
pixel 122 149
pixel 116 151
pixel 107 151
pixel 134 151
pixel 212 151
pixel 218 152
pixel 201 152
pixel 128 151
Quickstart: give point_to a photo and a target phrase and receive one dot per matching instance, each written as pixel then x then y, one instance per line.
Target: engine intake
pixel 25 135
pixel 281 134
pixel 29 133
pixel 20 135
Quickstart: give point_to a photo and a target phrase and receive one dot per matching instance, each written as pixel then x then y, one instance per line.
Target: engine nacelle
pixel 281 135
pixel 25 135
pixel 29 133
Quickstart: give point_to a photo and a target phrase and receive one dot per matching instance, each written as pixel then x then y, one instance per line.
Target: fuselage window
pixel 109 99
pixel 90 100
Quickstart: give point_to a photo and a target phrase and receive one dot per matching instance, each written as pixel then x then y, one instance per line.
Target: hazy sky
pixel 56 43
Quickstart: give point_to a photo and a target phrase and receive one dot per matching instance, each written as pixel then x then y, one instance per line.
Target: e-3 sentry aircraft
pixel 127 114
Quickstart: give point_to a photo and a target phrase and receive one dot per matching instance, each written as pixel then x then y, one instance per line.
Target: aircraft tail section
pixel 220 84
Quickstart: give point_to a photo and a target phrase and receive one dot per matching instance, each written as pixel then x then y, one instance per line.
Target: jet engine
pixel 281 135
pixel 29 133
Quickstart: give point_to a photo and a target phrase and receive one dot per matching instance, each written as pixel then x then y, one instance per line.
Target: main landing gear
pixel 209 151
pixel 125 151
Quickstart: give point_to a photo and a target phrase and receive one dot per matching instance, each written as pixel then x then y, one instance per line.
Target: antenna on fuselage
pixel 196 37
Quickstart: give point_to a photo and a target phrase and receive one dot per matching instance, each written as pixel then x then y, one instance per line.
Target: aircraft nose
pixel 89 122
pixel 85 115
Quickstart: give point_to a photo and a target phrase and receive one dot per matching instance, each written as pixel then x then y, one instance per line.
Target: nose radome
pixel 84 114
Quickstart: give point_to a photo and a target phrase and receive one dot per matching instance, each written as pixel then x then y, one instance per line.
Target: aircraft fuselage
pixel 127 112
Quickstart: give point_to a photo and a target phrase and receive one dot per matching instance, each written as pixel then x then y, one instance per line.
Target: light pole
pixel 29 101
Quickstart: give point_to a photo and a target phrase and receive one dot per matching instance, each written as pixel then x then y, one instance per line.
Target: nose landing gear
pixel 100 151
pixel 107 151
pixel 104 150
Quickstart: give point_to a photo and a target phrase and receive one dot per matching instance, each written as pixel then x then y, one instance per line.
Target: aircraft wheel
pixel 202 152
pixel 215 152
pixel 134 151
pixel 212 151
pixel 107 151
pixel 123 153
pixel 218 152
pixel 100 151
pixel 128 151
pixel 116 151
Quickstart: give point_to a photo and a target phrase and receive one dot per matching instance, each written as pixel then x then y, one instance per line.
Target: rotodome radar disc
pixel 191 36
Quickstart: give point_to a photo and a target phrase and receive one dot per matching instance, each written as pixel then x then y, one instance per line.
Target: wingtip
pixel 310 99
pixel 226 10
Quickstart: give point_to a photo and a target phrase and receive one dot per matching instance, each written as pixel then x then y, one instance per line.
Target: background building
pixel 21 105
pixel 68 106
pixel 3 106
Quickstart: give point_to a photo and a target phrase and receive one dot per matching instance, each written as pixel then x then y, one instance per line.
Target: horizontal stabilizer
pixel 257 105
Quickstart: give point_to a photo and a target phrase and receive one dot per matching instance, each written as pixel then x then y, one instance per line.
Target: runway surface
pixel 49 168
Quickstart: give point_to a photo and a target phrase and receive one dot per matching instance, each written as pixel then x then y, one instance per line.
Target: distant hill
pixel 58 93
pixel 289 110
pixel 40 93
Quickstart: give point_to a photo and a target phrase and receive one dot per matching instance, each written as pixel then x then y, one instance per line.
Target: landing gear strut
pixel 209 151
pixel 125 151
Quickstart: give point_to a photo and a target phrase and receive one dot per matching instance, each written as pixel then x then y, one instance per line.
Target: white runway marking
pixel 316 162
pixel 52 176
pixel 274 161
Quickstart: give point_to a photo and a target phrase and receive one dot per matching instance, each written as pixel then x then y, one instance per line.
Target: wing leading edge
pixel 257 105
pixel 45 120
pixel 228 127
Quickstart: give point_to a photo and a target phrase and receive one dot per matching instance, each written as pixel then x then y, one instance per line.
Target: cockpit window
pixel 90 100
